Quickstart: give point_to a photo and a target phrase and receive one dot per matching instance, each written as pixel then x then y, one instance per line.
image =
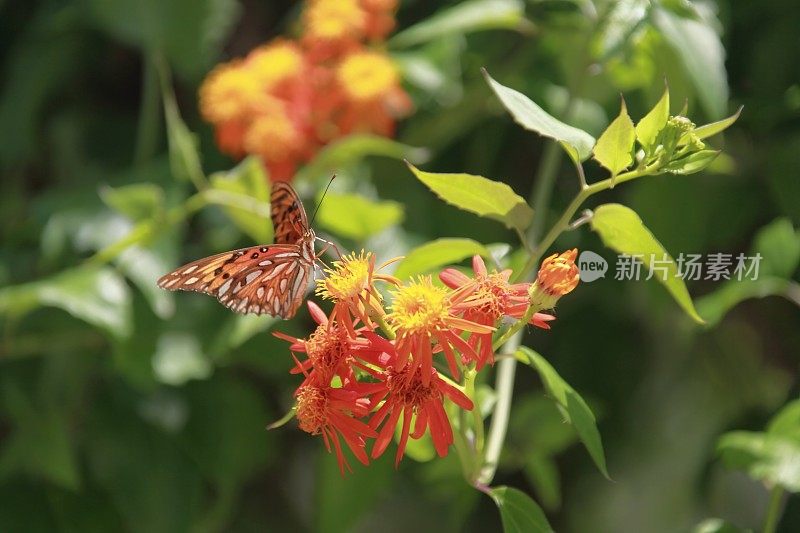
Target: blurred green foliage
pixel 126 408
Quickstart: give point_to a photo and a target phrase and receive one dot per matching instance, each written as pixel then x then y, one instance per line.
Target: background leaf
pixel 464 17
pixel 355 217
pixel 437 253
pixel 575 410
pixel 530 116
pixel 248 180
pixel 484 197
pixel 623 231
pixel 519 513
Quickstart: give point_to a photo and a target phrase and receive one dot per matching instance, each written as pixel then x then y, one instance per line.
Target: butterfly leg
pixel 328 245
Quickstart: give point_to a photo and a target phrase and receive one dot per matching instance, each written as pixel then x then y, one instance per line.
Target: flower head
pixel 332 412
pixel 367 75
pixel 274 63
pixel 350 283
pixel 421 313
pixel 410 394
pixel 230 92
pixel 487 298
pixel 557 276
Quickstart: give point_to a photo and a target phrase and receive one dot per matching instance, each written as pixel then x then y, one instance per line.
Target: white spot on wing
pixel 191 281
pixel 260 292
pixel 264 263
pixel 251 276
pixel 189 270
pixel 283 284
pixel 224 287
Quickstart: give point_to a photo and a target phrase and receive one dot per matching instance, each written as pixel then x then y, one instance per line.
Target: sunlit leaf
pixel 138 201
pixel 249 180
pixel 574 408
pixel 771 458
pixel 708 130
pixel 622 230
pixel 356 217
pixel 184 155
pixel 179 358
pixel 98 296
pixel 464 17
pixel 624 19
pixel 779 245
pixel 353 148
pixel 614 148
pixel 518 512
pixel 653 122
pixel 694 162
pixel 786 422
pixel 437 253
pixel 530 116
pixel 717 525
pixel 479 195
pixel 713 307
pixel 700 50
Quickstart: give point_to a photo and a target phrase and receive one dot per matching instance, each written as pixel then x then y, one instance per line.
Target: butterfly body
pixel 266 279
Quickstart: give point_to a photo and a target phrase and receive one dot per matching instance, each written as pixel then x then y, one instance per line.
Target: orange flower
pixel 412 394
pixel 423 313
pixel 230 92
pixel 274 63
pixel 350 283
pixel 330 412
pixel 557 276
pixel 332 27
pixel 486 299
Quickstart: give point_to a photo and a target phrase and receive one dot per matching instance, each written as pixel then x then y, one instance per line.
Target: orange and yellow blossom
pixel 422 314
pixel 558 275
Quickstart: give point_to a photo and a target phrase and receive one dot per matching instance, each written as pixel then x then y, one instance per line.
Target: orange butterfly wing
pixel 261 280
pixel 289 217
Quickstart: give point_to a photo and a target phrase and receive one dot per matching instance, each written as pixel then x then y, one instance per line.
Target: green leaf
pixel 249 180
pixel 355 217
pixel 713 307
pixel 479 195
pixel 779 245
pixel 352 149
pixel 530 116
pixel 621 24
pixel 138 201
pixel 542 472
pixel 653 122
pixel 622 230
pixel 771 458
pixel 718 525
pixel 184 155
pixel 694 162
pixel 786 422
pixel 614 148
pixel 518 512
pixel 437 253
pixel 237 330
pixel 464 17
pixel 708 130
pixel 179 358
pixel 98 296
pixel 700 50
pixel 574 408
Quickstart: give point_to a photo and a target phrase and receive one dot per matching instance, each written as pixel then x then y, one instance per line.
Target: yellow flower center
pixel 230 91
pixel 274 63
pixel 419 307
pixel 272 135
pixel 326 347
pixel 312 406
pixel 367 75
pixel 348 278
pixel 334 19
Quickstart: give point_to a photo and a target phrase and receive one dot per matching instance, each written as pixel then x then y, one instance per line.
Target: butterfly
pixel 269 279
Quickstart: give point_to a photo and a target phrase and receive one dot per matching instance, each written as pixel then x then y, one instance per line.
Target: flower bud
pixel 557 276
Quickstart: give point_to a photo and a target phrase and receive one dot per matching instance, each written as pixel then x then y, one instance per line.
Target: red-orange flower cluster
pixel 360 385
pixel 288 98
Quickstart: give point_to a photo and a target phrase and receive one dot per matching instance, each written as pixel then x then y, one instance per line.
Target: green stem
pixel 773 509
pixel 477 418
pixel 149 114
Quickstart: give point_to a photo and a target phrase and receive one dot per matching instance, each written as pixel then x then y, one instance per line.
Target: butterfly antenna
pixel 313 216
